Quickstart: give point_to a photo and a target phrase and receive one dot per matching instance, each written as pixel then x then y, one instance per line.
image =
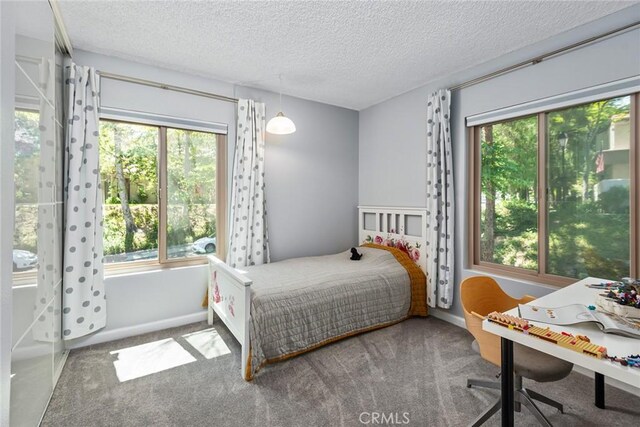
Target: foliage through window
pixel 572 215
pixel 191 192
pixel 129 171
pixel 27 160
pixel 145 219
pixel 509 208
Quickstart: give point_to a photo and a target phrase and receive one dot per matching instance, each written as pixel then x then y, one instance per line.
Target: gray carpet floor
pixel 418 367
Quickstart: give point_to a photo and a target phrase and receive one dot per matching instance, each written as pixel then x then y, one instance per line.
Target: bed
pixel 280 310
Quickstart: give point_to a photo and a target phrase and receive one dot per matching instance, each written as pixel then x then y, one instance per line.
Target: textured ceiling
pixel 353 54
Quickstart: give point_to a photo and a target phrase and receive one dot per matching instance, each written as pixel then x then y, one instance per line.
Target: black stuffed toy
pixel 355 256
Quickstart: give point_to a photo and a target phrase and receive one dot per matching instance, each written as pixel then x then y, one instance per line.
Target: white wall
pixel 149 301
pixel 392 134
pixel 311 176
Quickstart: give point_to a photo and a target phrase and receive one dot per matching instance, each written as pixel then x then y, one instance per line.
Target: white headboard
pixel 390 226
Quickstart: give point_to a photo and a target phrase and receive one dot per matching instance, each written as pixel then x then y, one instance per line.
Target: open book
pixel 578 313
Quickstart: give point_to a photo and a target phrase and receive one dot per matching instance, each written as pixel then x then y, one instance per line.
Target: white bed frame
pixel 230 288
pixel 393 223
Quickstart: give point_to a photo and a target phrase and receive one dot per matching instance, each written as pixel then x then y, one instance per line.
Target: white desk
pixel 616 345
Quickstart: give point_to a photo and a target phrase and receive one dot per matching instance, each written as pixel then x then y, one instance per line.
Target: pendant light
pixel 281 124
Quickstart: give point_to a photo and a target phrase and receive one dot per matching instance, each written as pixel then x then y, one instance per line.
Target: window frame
pixel 475 191
pixel 163 262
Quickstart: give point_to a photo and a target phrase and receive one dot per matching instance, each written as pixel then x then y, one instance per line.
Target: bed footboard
pixel 230 299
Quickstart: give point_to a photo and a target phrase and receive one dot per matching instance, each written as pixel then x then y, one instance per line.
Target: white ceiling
pixel 352 54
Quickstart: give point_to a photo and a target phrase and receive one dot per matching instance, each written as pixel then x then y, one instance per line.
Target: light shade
pixel 281 125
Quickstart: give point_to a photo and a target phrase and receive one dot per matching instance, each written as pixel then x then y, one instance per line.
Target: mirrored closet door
pixel 37 348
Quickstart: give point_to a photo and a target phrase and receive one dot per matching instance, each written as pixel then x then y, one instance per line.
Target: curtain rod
pixel 540 58
pixel 164 86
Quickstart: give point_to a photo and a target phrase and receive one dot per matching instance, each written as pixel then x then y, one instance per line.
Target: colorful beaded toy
pixel 632 360
pixel 580 343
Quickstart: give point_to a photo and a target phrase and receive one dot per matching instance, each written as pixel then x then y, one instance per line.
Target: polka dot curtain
pixel 440 202
pixel 249 241
pixel 83 300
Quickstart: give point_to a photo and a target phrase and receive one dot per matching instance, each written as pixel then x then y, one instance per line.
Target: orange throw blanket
pixel 416 276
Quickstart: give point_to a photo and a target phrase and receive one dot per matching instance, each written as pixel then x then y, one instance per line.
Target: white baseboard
pixel 448 317
pixel 130 331
pixel 459 321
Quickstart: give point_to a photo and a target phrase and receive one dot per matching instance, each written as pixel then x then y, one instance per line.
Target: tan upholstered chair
pixel 481 295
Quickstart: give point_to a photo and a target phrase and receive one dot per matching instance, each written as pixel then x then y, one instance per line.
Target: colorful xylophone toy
pixel 579 343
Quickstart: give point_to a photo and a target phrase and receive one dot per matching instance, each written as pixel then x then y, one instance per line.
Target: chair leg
pixel 544 399
pixel 482 418
pixel 517 406
pixel 484 384
pixel 528 402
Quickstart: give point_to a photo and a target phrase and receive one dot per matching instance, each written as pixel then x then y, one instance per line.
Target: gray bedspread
pixel 299 303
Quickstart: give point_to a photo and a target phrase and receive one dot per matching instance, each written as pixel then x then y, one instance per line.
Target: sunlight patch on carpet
pixel 150 358
pixel 208 342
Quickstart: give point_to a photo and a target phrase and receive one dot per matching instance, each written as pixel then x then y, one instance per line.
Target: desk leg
pixel 600 390
pixel 507 383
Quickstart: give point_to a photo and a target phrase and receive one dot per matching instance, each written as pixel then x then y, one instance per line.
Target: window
pixel 162 189
pixel 26 161
pixel 191 192
pixel 555 195
pixel 508 224
pixel 37 194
